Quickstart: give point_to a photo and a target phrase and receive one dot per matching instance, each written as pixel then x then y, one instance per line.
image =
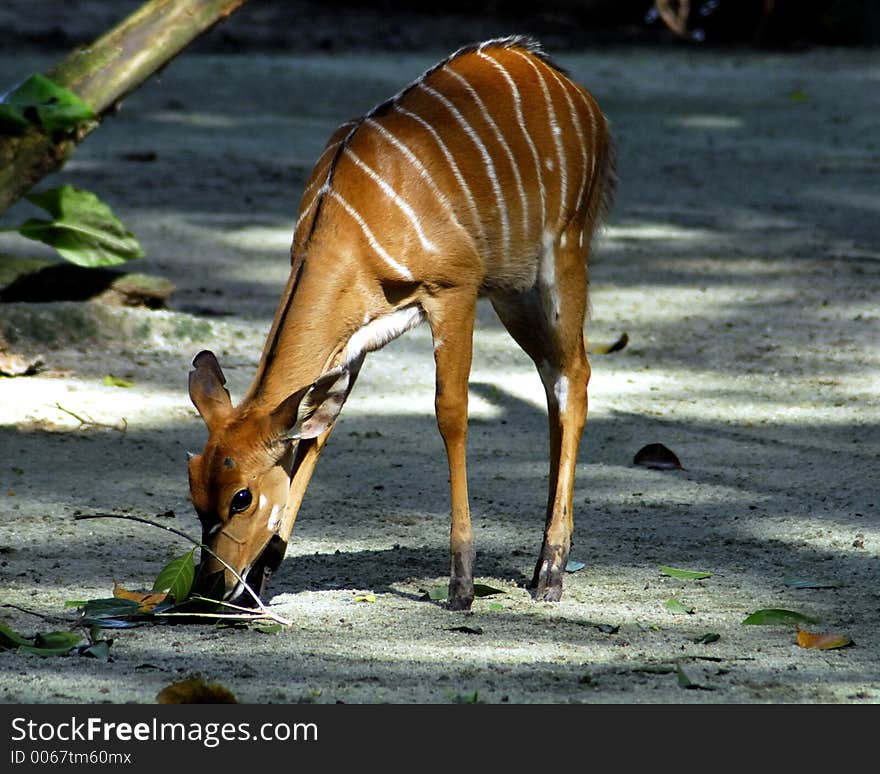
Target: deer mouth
pixel 257 575
pixel 211 585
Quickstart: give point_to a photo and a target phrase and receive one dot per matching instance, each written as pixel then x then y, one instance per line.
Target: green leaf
pixel 677 608
pixel 53 107
pixel 803 583
pixel 466 698
pixel 177 576
pixel 52 644
pixel 84 230
pixel 10 640
pixel 114 381
pixel 777 617
pixel 441 593
pixel 270 628
pixel 57 639
pixel 655 669
pixel 45 652
pixel 364 598
pixel 686 681
pixel 438 593
pixel 707 638
pixel 99 650
pixel 673 572
pixel 112 607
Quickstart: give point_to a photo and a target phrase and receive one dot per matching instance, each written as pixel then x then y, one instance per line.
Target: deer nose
pixel 259 574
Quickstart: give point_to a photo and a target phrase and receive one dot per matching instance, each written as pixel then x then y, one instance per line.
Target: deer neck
pixel 330 313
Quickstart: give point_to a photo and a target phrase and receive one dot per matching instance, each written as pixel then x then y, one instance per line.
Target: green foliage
pixel 177 577
pixel 471 697
pixel 482 590
pixel 677 608
pixel 52 643
pixel 110 613
pixel 65 643
pixel 440 593
pixel 83 229
pixel 114 381
pixel 38 100
pixel 10 640
pixel 777 617
pixel 673 572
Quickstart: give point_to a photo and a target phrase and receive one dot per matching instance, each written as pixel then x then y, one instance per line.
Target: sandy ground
pixel 742 260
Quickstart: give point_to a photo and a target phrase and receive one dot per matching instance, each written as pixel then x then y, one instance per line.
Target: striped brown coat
pixel 486 176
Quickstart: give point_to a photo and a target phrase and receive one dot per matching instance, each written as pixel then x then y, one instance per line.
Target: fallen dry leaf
pixel 825 641
pixel 12 364
pixel 195 690
pixel 657 457
pixel 607 349
pixel 146 599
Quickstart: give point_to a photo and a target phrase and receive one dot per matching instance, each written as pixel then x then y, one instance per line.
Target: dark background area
pixel 308 25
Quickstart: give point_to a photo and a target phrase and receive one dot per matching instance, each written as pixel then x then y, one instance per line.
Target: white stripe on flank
pixel 594 129
pixel 500 137
pixel 305 213
pixel 577 127
pixel 331 147
pixel 517 103
pixel 371 238
pixel 393 195
pixel 487 160
pixel 424 174
pixel 554 130
pixel 455 171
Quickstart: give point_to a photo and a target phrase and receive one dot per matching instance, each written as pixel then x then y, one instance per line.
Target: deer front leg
pixel 451 316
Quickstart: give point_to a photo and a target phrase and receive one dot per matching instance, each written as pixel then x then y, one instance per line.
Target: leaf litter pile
pixel 171 597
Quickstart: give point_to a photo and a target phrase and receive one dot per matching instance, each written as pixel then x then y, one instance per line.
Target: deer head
pixel 239 484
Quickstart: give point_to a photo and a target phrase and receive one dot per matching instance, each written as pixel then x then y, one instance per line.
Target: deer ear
pixel 312 410
pixel 206 389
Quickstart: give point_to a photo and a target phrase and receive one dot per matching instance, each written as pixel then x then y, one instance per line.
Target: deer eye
pixel 241 501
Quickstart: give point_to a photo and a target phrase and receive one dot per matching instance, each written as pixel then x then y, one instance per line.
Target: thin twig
pixel 247 613
pixel 88 421
pixel 250 617
pixel 44 616
pixel 260 603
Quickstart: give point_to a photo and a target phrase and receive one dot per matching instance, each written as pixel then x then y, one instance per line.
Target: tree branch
pixel 102 74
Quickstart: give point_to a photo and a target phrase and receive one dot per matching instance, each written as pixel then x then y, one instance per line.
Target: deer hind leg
pixel 547 322
pixel 451 317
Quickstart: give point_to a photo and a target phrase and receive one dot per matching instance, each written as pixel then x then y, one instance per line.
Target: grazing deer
pixel 486 176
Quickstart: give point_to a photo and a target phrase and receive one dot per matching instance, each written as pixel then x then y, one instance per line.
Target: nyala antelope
pixel 486 176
